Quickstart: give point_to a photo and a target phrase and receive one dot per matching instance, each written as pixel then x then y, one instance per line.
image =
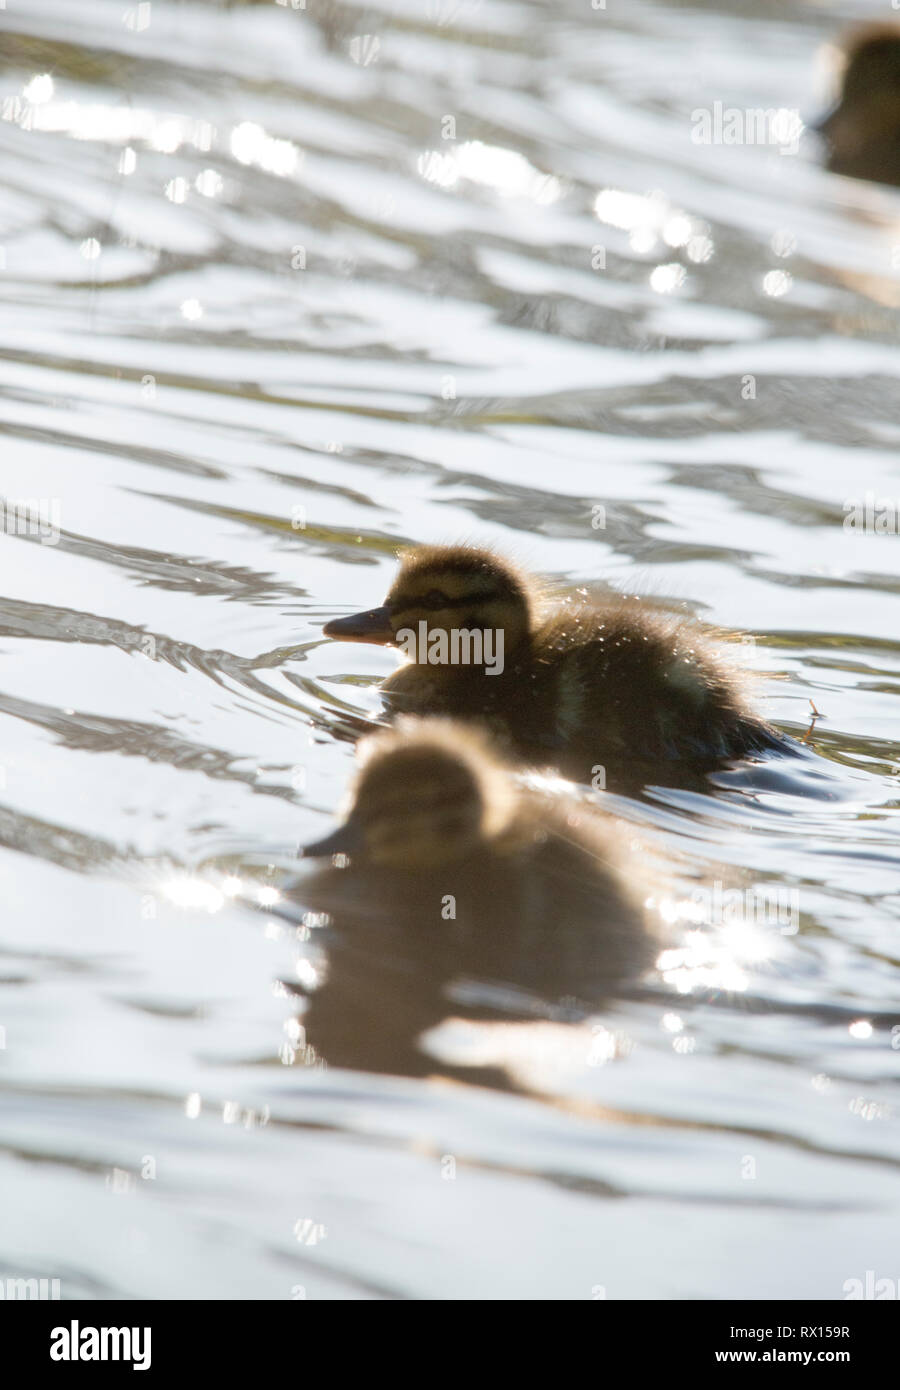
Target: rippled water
pixel 285 287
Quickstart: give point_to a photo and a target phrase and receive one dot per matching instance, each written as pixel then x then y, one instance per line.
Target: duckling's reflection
pixel 862 132
pixel 447 869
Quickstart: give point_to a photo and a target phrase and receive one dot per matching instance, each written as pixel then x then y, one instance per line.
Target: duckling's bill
pixel 346 839
pixel 374 625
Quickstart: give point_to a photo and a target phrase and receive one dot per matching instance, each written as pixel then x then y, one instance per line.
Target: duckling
pixel 583 684
pixel 448 868
pixel 863 130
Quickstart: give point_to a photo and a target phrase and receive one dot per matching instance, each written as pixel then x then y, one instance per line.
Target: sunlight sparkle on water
pixel 39 89
pixel 677 230
pixel 176 190
pixel 109 124
pixel 251 145
pixel 700 249
pixel 438 168
pixel 643 240
pixel 626 211
pixel 747 943
pixel 306 973
pixel 551 784
pixel 704 961
pixel 648 219
pixel 506 171
pixel 189 892
pixel 776 283
pixel 209 183
pixel 666 278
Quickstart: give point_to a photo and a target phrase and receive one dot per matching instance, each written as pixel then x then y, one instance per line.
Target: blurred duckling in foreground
pixel 863 130
pixel 449 869
pixel 573 681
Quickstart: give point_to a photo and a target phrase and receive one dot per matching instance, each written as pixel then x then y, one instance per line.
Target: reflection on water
pixel 281 290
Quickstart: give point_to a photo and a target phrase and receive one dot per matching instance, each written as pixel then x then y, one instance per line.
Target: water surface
pixel 282 289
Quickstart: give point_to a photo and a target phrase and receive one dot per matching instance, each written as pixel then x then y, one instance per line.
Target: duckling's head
pixel 428 793
pixel 451 589
pixel 864 126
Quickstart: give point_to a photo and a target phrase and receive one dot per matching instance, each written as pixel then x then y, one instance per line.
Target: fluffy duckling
pixel 576 682
pixel 863 130
pixel 456 870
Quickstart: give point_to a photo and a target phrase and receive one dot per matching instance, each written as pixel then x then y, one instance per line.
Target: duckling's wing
pixel 642 684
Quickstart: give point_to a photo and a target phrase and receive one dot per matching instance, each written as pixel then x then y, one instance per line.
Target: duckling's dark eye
pixel 435 599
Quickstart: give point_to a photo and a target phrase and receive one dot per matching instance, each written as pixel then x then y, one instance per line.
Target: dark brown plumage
pixel 863 131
